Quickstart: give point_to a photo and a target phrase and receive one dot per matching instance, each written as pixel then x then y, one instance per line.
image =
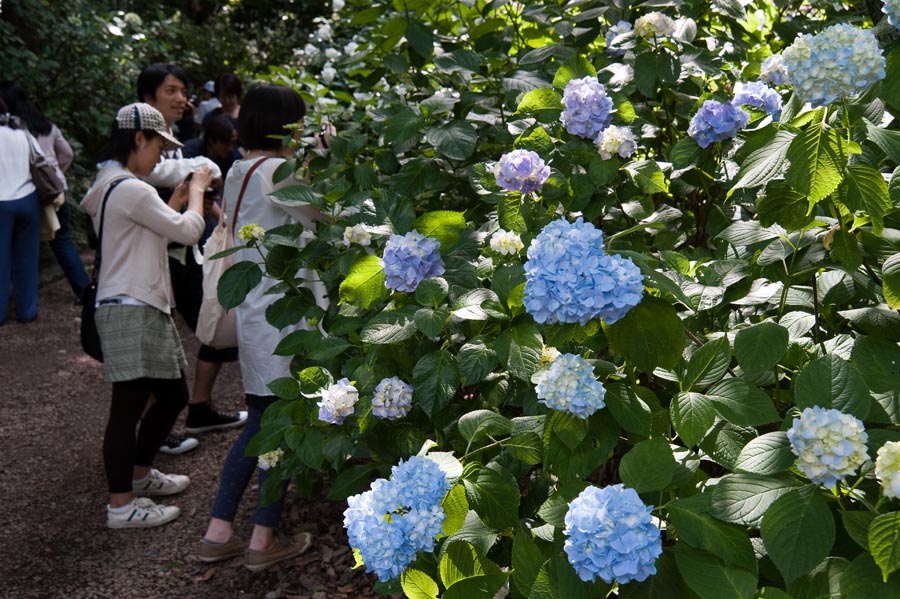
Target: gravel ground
pixel 54 541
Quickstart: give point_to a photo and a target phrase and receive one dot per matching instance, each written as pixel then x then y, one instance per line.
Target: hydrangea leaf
pixel 482 423
pixel 759 348
pixel 237 282
pixel 856 523
pixel 783 206
pixel 707 365
pixel 823 581
pixel 403 126
pixel 700 530
pixel 574 68
pixel 653 67
pixel 432 291
pixel 863 578
pixel 650 335
pixel 767 454
pixel 455 507
pixel 890 281
pixel 456 141
pixel 431 322
pixel 629 411
pixel 468 305
pixel 525 447
pixel 710 578
pixel 388 327
pixel 519 349
pixel 798 531
pixel 692 415
pixel 444 225
pixel 766 163
pixel 878 361
pixel 744 498
pixel 494 495
pixel 285 387
pixel 527 560
pixel 364 284
pixel 884 543
pixel 435 379
pixel 544 104
pixel 831 382
pixel 742 403
pixel 420 38
pixel 418 585
pixel 888 141
pixel 818 157
pixel 864 189
pixel 512 213
pixel 890 87
pixel 648 466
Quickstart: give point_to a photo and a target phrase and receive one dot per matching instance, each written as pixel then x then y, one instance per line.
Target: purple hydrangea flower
pixel 587 110
pixel 521 170
pixel 409 259
pixel 759 95
pixel 611 535
pixel 568 278
pixel 716 121
pixel 612 33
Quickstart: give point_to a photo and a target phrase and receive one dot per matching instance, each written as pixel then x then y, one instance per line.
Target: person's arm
pixel 64 153
pixel 172 171
pixel 184 228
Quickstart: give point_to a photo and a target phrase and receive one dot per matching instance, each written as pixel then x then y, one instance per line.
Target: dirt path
pixel 54 543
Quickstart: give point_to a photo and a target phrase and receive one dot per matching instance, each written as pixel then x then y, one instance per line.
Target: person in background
pixel 229 91
pixel 210 102
pixel 20 219
pixel 59 154
pixel 164 86
pixel 142 351
pixel 267 113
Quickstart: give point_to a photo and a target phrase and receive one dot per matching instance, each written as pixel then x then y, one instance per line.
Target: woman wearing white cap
pixel 142 351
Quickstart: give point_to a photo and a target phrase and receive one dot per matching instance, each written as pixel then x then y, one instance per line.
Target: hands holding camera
pixel 192 191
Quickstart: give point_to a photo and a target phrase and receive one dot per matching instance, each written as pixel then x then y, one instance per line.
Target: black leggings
pixel 123 449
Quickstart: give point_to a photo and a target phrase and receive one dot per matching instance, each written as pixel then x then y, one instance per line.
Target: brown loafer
pixel 279 551
pixel 217 552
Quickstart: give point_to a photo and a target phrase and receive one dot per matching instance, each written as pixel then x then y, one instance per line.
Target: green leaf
pixel 741 403
pixel 285 387
pixel 435 381
pixel 818 157
pixel 767 454
pixel 432 292
pixel 783 206
pixel 856 523
pixel 890 281
pixel 455 141
pixel 236 283
pixel 798 531
pixel 468 305
pixel 388 327
pixel 519 349
pixel 648 466
pixel 832 382
pixel 351 481
pixel 744 498
pixel 861 580
pixel 648 176
pixel 476 361
pixel 460 561
pixel 766 163
pixel 545 104
pixel 511 213
pixel 525 447
pixel 574 68
pixel 402 126
pixel 629 410
pixel 865 189
pixel 878 361
pixel 653 67
pixel 418 585
pixel 650 335
pixel 421 39
pixel 494 495
pixel 431 322
pixel 482 423
pixel 456 507
pixel 665 584
pixel 364 284
pixel 692 414
pixel 299 195
pixel 526 561
pixel 444 225
pixel 887 140
pixel 700 530
pixel 758 348
pixel 884 543
pixel 707 365
pixel 710 578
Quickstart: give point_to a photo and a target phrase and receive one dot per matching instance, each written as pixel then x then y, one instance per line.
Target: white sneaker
pixel 143 513
pixel 156 484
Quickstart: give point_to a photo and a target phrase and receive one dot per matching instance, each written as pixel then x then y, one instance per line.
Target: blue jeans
pixel 239 469
pixel 67 254
pixel 20 238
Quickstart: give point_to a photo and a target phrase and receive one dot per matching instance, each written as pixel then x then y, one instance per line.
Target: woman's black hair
pixel 265 113
pixel 122 143
pixel 16 99
pixel 219 128
pixel 6 119
pixel 153 76
pixel 228 84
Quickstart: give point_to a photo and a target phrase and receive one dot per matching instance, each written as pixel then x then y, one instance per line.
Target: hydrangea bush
pixel 683 383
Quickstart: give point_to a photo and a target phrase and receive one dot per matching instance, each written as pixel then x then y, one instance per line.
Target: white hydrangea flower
pixel 548 354
pixel 351 48
pixel 829 445
pixel 337 5
pixel 887 468
pixel 270 459
pixel 332 53
pixel 324 32
pixel 357 234
pixel 338 402
pixel 654 24
pixel 506 243
pixel 310 50
pixel 328 74
pixel 616 140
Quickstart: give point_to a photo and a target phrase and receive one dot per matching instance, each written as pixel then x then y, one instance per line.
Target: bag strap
pixel 237 206
pixel 97 259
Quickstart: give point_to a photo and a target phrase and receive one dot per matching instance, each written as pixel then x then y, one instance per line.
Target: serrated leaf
pixel 650 335
pixel 700 530
pixel 525 447
pixel 864 189
pixel 767 454
pixel 435 381
pixel 431 322
pixel 798 531
pixel 300 194
pixel 545 104
pixel 388 327
pixel 783 206
pixel 444 225
pixel 890 281
pixel 818 157
pixel 519 349
pixel 574 68
pixel 237 282
pixel 692 414
pixel 527 560
pixel 460 561
pixel 759 348
pixel 710 578
pixel 403 126
pixel 364 284
pixel 482 423
pixel 511 213
pixel 494 495
pixel 456 507
pixel 629 410
pixel 861 579
pixel 468 305
pixel 831 382
pixel 707 365
pixel 744 498
pixel 648 466
pixel 884 543
pixel 742 403
pixel 887 140
pixel 418 585
pixel 766 163
pixel 455 141
pixel 856 523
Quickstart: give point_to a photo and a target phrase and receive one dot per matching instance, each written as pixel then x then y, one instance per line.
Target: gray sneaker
pixel 144 513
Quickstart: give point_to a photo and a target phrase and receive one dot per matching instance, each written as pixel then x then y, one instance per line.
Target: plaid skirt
pixel 138 342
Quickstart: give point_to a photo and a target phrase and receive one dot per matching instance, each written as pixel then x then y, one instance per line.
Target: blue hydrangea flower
pixel 409 259
pixel 397 518
pixel 716 121
pixel 892 9
pixel 521 170
pixel 829 445
pixel 759 95
pixel 772 70
pixel 392 398
pixel 842 60
pixel 612 33
pixel 587 110
pixel 568 385
pixel 611 535
pixel 569 279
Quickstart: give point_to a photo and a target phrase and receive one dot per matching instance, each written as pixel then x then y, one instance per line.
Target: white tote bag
pixel 216 326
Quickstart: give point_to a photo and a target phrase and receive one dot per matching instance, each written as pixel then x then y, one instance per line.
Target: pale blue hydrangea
pixel 612 33
pixel 611 535
pixel 392 398
pixel 397 518
pixel 338 401
pixel 569 279
pixel 772 70
pixel 615 140
pixel 758 95
pixel 887 468
pixel 892 9
pixel 829 445
pixel 409 259
pixel 521 170
pixel 717 121
pixel 587 109
pixel 842 60
pixel 569 385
